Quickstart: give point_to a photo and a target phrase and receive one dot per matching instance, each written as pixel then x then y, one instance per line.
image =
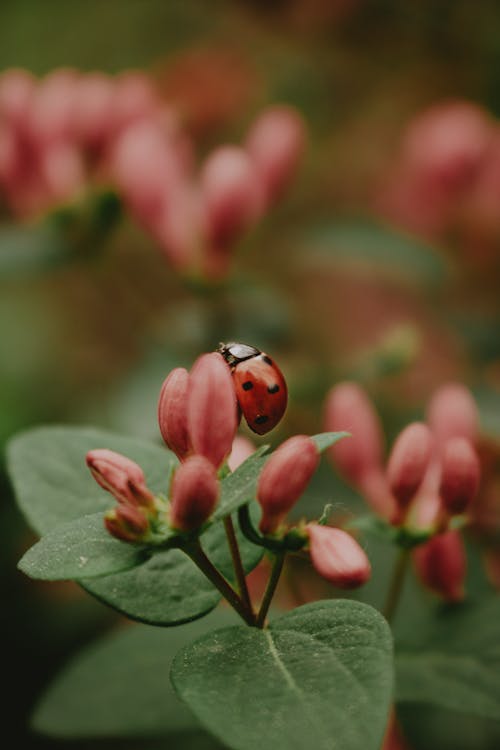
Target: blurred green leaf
pixel 457 666
pixel 51 479
pixel 119 686
pixel 30 249
pixel 320 676
pixel 324 440
pixel 79 548
pixel 379 250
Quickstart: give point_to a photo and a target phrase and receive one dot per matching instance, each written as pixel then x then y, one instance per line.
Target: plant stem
pixel 396 585
pixel 237 562
pixel 279 559
pixel 197 555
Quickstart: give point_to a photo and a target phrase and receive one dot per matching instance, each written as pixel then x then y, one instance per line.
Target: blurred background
pixel 318 178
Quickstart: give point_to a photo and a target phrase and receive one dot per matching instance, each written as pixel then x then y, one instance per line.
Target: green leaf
pixel 168 589
pixel 240 487
pixel 457 666
pixel 31 249
pixel 319 677
pixel 378 250
pixel 79 548
pixel 51 479
pixel 325 440
pixel 119 686
pixel 54 486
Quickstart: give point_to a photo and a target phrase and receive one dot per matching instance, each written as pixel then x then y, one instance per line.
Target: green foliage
pixel 119 686
pixel 79 548
pixel 52 482
pixel 379 250
pixel 455 664
pixel 320 676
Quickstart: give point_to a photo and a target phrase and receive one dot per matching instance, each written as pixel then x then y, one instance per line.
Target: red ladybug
pixel 259 383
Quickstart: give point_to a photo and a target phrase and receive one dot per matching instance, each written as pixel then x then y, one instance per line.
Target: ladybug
pixel 260 387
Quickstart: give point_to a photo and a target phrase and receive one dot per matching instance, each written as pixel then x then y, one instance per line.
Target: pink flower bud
pixel 195 491
pixel 349 408
pixel 212 411
pixel 408 462
pixel 120 476
pixel 441 565
pixel 172 412
pixel 93 109
pixel 275 143
pixel 62 169
pixel 337 556
pixel 51 117
pixel 231 195
pixel 460 475
pixel 452 412
pixel 134 99
pixel 126 523
pixel 241 450
pixel 284 478
pixel 16 92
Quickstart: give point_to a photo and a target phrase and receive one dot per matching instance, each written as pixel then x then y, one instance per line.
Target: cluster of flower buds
pixel 432 473
pixel 131 519
pixel 56 134
pixel 334 553
pixel 197 216
pixel 447 177
pixel 70 132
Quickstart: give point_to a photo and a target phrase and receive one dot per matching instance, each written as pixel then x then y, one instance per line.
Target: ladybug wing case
pixel 261 391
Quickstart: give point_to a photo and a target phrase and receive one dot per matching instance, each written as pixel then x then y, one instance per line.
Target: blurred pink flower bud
pixel 276 143
pixel 284 478
pixel 194 494
pixel 349 408
pixel 120 476
pixel 452 412
pixel 241 450
pixel 134 99
pixel 172 412
pixel 337 556
pixel 460 475
pixel 212 411
pixel 51 116
pixel 441 565
pixel 16 91
pixel 93 109
pixel 145 169
pixel 231 194
pixel 447 142
pixel 408 463
pixel 126 523
pixel 62 169
pixel 375 489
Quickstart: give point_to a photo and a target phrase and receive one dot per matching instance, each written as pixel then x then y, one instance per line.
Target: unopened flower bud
pixel 408 462
pixel 452 412
pixel 120 476
pixel 172 412
pixel 460 475
pixel 441 565
pixel 275 143
pixel 194 495
pixel 231 194
pixel 337 556
pixel 284 478
pixel 127 523
pixel 349 408
pixel 241 450
pixel 211 409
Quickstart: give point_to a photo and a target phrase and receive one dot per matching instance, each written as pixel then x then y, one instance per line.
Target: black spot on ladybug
pixel 247 385
pixel 267 359
pixel 273 388
pixel 261 419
